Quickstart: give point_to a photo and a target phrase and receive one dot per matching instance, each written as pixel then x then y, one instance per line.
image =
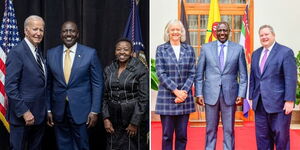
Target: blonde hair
pixel 166 32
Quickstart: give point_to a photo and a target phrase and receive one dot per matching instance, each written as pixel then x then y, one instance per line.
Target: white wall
pixel 284 16
pixel 161 11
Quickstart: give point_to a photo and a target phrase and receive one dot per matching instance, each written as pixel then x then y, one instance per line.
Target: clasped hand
pixel 181 95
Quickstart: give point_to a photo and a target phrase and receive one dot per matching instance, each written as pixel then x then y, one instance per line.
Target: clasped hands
pixel 181 95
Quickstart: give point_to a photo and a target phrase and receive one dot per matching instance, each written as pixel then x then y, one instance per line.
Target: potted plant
pixel 154 78
pixel 296 112
pixel 298 84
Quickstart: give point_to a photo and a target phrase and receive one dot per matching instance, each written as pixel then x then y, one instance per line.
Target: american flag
pixel 9 37
pixel 133 31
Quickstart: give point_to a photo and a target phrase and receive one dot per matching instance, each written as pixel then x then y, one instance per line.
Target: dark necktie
pixel 39 60
pixel 221 57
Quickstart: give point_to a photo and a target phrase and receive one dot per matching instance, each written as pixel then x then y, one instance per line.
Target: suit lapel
pixel 270 57
pixel 30 55
pixel 181 53
pixel 32 58
pixel 172 55
pixel 230 52
pixel 59 56
pixel 256 61
pixel 183 48
pixel 76 62
pixel 214 53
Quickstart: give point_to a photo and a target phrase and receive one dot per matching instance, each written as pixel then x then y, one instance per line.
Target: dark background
pixel 101 23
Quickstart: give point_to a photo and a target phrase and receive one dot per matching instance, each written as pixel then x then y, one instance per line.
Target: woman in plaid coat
pixel 175 66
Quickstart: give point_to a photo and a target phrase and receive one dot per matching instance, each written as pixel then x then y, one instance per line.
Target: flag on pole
pixel 187 33
pixel 245 42
pixel 9 37
pixel 133 31
pixel 185 23
pixel 213 19
pixel 245 36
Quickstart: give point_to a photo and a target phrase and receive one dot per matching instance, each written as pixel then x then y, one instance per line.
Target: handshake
pixel 181 95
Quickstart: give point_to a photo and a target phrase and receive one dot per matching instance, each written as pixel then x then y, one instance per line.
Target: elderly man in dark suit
pixel 273 82
pixel 175 66
pixel 75 89
pixel 221 82
pixel 25 86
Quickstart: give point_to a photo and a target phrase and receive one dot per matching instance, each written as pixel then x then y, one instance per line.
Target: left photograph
pixel 74 75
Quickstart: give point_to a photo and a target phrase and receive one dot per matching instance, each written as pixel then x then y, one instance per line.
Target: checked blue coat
pixel 172 74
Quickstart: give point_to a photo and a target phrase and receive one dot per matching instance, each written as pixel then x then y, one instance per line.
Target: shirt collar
pixel 31 46
pixel 270 48
pixel 219 43
pixel 72 49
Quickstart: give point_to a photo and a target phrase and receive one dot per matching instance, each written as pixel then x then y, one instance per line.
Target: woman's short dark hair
pixel 124 40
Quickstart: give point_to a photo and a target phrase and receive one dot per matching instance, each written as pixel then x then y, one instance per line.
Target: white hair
pixel 30 18
pixel 166 32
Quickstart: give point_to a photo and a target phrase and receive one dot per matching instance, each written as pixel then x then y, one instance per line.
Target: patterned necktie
pixel 221 57
pixel 263 60
pixel 39 60
pixel 67 65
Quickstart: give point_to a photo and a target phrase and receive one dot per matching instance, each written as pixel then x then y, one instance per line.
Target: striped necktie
pixel 39 60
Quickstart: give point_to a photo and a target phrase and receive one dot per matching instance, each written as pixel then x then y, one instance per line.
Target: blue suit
pixel 174 74
pixel 25 86
pixel 269 90
pixel 220 88
pixel 84 93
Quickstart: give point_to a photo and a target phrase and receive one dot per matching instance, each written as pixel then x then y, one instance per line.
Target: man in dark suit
pixel 25 85
pixel 220 65
pixel 273 82
pixel 75 88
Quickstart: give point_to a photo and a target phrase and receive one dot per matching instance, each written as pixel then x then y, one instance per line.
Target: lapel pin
pixel 79 56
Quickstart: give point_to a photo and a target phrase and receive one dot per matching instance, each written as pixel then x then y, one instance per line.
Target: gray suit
pixel 220 89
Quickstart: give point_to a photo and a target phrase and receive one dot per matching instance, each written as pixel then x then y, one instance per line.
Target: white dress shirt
pixel 72 54
pixel 263 52
pixel 32 49
pixel 176 49
pixel 224 49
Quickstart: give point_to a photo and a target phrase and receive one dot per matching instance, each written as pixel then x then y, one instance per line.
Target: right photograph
pixel 224 75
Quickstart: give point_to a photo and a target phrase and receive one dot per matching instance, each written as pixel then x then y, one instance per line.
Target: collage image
pixel 149 75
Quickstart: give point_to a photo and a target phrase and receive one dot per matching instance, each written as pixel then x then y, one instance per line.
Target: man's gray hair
pixel 266 26
pixel 30 18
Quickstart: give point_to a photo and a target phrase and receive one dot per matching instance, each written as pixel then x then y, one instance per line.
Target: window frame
pixel 225 9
